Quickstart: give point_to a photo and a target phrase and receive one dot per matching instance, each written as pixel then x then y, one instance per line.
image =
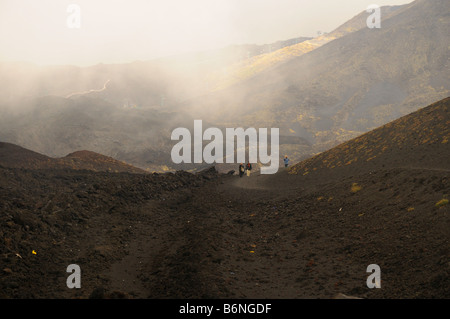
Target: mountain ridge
pixel 14 156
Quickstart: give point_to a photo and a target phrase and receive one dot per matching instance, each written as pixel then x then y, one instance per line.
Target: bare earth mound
pixel 14 156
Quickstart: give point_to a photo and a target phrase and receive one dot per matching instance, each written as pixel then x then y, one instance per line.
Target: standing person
pixel 241 170
pixel 249 168
pixel 286 161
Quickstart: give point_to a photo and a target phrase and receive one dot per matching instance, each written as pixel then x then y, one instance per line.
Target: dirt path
pixel 249 238
pixel 176 261
pixel 224 242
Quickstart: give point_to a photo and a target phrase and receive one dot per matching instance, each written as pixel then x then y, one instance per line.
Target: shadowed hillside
pixel 14 156
pixel 421 137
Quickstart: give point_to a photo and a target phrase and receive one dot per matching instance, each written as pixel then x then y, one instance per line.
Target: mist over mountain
pixel 124 111
pixel 141 83
pixel 349 85
pixel 57 126
pixel 319 91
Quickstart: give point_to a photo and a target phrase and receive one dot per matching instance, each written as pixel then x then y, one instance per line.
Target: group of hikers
pixel 248 168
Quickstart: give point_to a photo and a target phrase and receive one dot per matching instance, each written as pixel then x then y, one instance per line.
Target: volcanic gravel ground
pixel 211 235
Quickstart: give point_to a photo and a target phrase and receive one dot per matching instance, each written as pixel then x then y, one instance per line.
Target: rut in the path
pixel 176 262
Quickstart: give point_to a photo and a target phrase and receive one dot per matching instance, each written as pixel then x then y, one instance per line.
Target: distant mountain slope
pixel 419 140
pixel 14 156
pixel 248 68
pixel 347 86
pixel 56 126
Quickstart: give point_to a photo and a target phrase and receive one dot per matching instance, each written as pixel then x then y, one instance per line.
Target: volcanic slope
pixel 206 235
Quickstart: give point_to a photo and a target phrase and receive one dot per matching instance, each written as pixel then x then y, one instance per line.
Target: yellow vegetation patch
pixel 355 188
pixel 442 202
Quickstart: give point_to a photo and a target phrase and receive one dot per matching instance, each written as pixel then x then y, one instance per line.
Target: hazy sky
pixel 117 31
